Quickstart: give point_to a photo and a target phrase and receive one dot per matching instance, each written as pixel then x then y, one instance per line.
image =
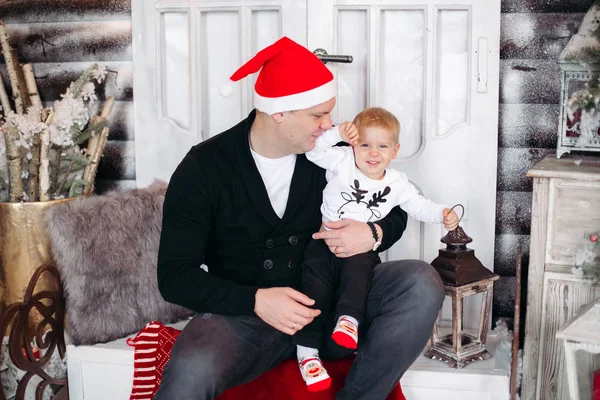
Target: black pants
pixel 339 287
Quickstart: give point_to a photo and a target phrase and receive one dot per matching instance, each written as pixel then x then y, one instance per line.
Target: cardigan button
pixel 293 240
pixel 268 264
pixel 269 244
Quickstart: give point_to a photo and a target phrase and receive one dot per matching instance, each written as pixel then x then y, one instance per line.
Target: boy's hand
pixel 349 133
pixel 450 219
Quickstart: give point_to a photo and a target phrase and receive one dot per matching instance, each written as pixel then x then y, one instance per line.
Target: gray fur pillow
pixel 106 249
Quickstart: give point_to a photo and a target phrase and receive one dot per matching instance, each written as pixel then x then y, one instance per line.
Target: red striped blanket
pixel 152 348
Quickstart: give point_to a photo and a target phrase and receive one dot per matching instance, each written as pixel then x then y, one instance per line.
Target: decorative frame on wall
pixel 579 61
pixel 574 77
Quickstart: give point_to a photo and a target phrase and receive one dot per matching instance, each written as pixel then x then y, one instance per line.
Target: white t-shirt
pixel 277 175
pixel 350 194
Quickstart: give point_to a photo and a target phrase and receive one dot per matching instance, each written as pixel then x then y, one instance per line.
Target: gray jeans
pixel 216 352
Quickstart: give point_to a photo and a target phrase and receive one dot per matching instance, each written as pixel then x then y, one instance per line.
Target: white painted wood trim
pixel 583 168
pixel 539 229
pixel 75 374
pixel 571 371
pixel 433 131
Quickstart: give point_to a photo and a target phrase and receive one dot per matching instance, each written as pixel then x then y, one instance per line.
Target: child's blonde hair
pixel 378 117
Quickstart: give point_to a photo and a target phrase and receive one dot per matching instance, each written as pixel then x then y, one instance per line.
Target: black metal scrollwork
pixel 48 334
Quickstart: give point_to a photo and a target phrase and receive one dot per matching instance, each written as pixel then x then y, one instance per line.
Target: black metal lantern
pixel 463 275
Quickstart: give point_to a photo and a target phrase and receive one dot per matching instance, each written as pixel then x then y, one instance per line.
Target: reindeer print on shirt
pixel 358 196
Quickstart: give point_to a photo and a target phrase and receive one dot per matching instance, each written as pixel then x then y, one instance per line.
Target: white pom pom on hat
pixel 226 89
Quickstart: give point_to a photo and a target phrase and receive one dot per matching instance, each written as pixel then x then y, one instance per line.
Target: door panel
pixel 421 61
pixel 183 52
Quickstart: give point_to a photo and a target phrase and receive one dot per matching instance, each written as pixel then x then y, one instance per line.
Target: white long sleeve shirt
pixel 350 194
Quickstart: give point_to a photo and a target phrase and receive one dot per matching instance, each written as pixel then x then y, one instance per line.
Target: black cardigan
pixel 217 212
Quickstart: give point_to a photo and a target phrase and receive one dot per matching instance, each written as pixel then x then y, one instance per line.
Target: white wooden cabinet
pixel 566 204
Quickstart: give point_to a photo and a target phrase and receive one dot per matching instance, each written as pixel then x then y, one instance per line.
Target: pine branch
pixel 77 187
pixel 591 271
pixel 91 131
pixel 54 167
pixel 62 184
pixel 77 86
pixel 79 160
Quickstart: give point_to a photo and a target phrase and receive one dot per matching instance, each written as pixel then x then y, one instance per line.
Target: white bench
pixel 102 371
pixel 105 371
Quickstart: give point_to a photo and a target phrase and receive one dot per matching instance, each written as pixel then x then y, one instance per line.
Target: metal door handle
pixel 325 58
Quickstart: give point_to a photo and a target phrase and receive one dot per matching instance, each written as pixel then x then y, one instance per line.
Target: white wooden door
pixel 183 51
pixel 435 65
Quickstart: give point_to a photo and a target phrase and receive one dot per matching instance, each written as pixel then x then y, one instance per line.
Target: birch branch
pixel 34 191
pixel 13 69
pixel 15 166
pixel 34 169
pixel 93 142
pixel 44 165
pixel 6 108
pixel 95 147
pixel 64 181
pixel 21 79
pixel 93 165
pixel 32 90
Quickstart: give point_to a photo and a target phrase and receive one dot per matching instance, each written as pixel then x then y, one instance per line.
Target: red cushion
pixel 283 382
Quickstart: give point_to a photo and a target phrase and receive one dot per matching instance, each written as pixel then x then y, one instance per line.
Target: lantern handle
pixel 463 211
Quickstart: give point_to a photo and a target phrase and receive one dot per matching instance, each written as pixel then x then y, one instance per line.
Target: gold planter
pixel 24 246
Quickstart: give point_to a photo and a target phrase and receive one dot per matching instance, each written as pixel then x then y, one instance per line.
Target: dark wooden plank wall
pixel 61 38
pixel 533 33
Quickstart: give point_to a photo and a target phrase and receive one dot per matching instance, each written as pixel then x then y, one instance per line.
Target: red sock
pixel 314 374
pixel 319 386
pixel 344 340
pixel 345 333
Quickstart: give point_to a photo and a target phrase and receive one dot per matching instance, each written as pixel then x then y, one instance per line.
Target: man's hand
pixel 348 237
pixel 450 219
pixel 284 308
pixel 349 133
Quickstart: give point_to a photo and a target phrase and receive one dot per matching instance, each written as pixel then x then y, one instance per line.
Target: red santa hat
pixel 290 78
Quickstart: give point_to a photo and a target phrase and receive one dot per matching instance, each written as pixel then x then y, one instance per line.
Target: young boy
pixel 360 186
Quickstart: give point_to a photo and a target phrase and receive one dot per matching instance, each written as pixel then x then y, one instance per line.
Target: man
pixel 245 203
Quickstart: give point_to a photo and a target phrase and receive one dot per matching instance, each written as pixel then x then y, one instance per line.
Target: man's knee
pixel 195 367
pixel 428 283
pixel 416 276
